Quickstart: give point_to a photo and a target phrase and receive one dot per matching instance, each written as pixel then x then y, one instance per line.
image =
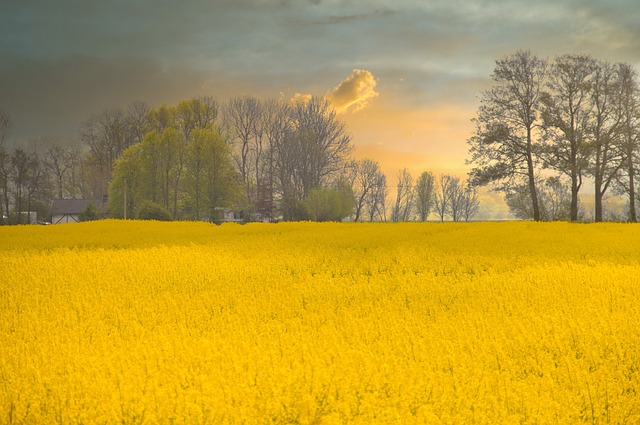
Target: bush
pixel 90 213
pixel 335 204
pixel 152 211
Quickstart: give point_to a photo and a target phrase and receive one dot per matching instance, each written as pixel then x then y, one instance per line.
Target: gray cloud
pixel 63 60
pixel 52 96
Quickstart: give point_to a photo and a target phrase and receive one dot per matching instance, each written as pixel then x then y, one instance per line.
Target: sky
pixel 404 75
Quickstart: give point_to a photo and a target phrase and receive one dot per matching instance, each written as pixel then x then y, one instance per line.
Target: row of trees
pixel 268 159
pixel 30 177
pixel 261 158
pixel 547 124
pixel 445 196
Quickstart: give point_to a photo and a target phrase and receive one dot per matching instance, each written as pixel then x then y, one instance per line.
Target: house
pixel 226 215
pixel 69 210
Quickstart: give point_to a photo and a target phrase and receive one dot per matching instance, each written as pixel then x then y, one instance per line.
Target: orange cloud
pixel 354 93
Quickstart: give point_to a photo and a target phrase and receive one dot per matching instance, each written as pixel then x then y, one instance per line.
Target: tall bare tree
pixel 62 164
pixel 5 164
pixel 376 206
pixel 365 183
pixel 606 159
pixel 242 123
pixel 504 146
pixel 567 110
pixel 324 143
pixel 313 152
pixel 276 125
pixel 424 194
pixel 109 133
pixel 403 207
pixel 442 198
pixel 457 199
pixel 629 106
pixel 471 204
pixel 137 122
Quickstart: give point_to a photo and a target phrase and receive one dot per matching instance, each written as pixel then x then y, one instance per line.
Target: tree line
pixel 265 160
pixel 546 127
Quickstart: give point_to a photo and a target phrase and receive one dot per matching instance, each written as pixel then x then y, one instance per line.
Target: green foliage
pixel 128 176
pixel 211 180
pixel 152 211
pixel 329 204
pixel 90 213
pixel 182 165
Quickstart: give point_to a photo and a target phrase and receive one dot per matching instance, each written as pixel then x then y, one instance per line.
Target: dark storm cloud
pixel 51 96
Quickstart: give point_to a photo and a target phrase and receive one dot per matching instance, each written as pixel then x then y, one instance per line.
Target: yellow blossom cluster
pixel 301 323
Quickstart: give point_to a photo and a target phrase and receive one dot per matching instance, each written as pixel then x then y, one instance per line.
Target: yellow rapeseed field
pixel 190 323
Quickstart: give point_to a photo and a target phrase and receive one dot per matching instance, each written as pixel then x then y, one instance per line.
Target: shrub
pixel 334 204
pixel 152 211
pixel 90 213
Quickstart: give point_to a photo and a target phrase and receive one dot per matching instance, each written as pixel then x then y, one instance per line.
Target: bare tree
pixel 109 133
pixel 566 113
pixel 104 134
pixel 606 160
pixel 5 180
pixel 424 194
pixel 365 183
pixel 276 125
pixel 555 200
pixel 324 144
pixel 401 210
pixel 376 203
pixel 503 148
pixel 5 164
pixel 62 164
pixel 313 152
pixel 442 199
pixel 242 123
pixel 471 204
pixel 629 132
pixel 28 178
pixel 457 197
pixel 137 122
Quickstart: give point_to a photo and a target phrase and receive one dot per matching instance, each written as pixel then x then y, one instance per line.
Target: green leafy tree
pixel 211 181
pixel 130 182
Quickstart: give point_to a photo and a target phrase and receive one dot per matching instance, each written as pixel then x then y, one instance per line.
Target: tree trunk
pixel 6 200
pixel 574 197
pixel 598 197
pixel 632 193
pixel 532 183
pixel 598 206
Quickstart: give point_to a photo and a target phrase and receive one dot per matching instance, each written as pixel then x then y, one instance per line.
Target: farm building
pixel 69 210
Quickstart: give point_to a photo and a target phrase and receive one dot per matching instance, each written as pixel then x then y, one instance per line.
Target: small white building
pixel 68 210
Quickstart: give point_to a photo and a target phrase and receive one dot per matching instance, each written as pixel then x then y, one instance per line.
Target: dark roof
pixel 73 206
